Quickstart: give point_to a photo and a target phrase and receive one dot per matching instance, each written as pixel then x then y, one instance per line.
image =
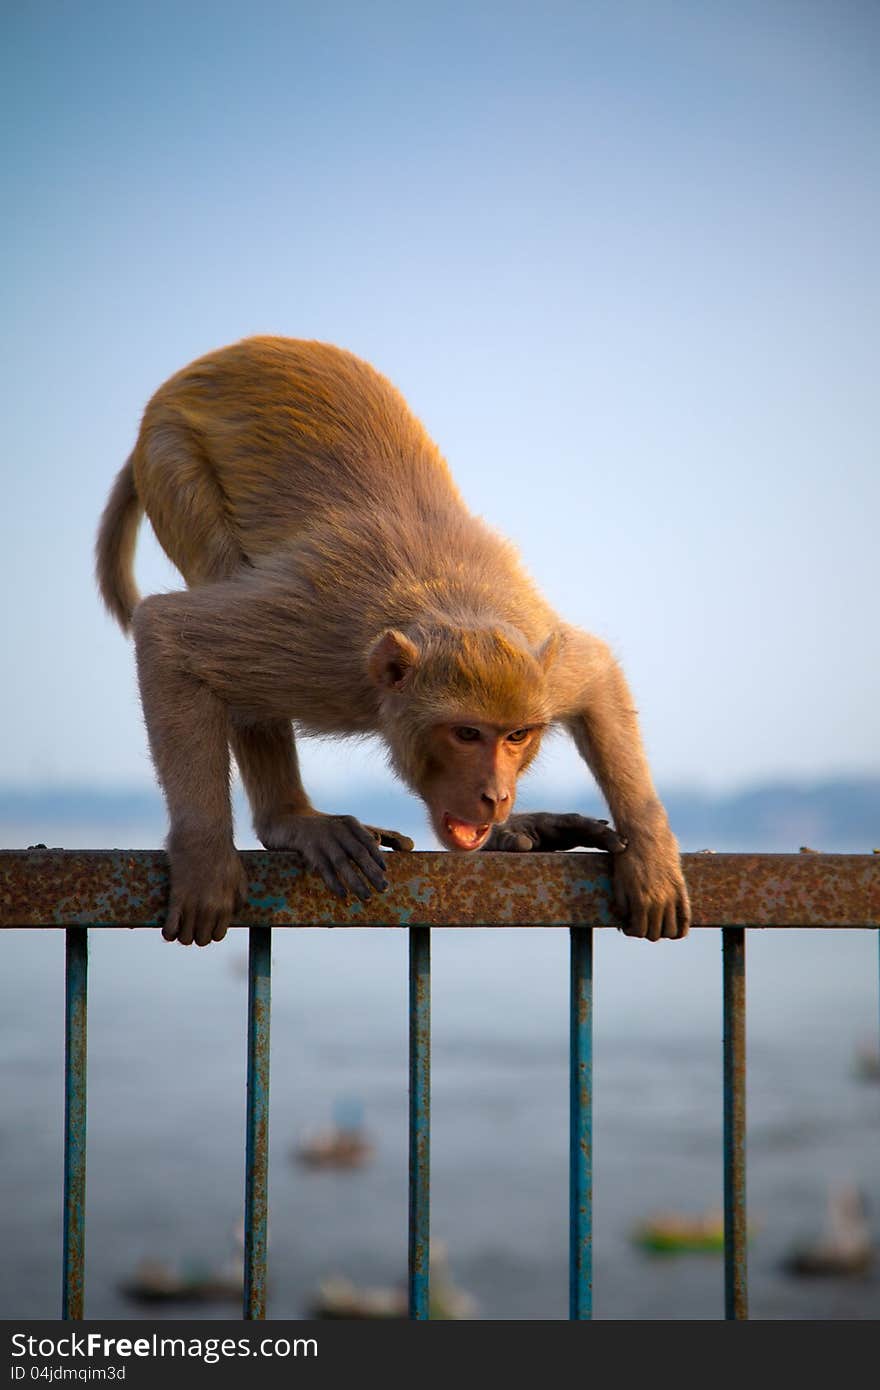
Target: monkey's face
pixel 462 713
pixel 469 774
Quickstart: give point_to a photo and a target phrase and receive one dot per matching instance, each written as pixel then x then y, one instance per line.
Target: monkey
pixel 337 584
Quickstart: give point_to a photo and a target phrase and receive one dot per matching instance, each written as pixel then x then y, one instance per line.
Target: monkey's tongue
pixel 464 834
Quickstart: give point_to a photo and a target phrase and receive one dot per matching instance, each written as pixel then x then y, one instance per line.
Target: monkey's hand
pixel 345 853
pixel 207 888
pixel 545 830
pixel 649 889
pixel 391 839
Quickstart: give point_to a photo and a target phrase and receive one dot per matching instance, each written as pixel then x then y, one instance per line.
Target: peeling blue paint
pixel 269 904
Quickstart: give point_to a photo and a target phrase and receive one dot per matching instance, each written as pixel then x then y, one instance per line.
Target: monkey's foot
pixel 345 853
pixel 547 830
pixel 207 888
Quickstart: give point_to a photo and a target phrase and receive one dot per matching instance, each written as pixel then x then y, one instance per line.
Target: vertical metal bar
pixel 257 1124
pixel 75 1039
pixel 580 1264
pixel 735 1220
pixel 419 1121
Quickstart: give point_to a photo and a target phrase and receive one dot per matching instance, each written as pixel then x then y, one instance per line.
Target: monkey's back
pixel 254 445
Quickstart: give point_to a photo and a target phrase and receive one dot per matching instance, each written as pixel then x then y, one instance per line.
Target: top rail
pixel 129 888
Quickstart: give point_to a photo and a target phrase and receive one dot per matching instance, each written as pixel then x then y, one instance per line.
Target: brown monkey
pixel 338 581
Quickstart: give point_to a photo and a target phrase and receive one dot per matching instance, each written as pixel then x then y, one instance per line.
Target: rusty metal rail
pixel 419 1122
pixel 733 956
pixel 256 1190
pixel 79 890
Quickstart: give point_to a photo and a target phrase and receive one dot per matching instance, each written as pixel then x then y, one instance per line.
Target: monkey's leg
pixel 208 654
pixel 188 729
pixel 649 887
pixel 345 853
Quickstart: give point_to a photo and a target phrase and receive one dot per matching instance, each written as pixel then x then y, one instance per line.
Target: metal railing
pixel 88 890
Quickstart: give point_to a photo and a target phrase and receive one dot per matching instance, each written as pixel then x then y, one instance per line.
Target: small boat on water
pixel 338 1297
pixel 189 1281
pixel 158 1281
pixel 336 1148
pixel 673 1233
pixel 844 1247
pixel 344 1144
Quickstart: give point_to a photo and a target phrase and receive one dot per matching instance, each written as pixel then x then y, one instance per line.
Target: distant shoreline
pixel 840 814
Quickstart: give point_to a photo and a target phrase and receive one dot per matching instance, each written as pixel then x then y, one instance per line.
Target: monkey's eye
pixel 518 736
pixel 466 734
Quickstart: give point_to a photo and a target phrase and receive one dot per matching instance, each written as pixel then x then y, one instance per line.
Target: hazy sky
pixel 621 258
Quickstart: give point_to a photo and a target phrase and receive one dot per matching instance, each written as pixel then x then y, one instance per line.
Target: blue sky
pixel 621 258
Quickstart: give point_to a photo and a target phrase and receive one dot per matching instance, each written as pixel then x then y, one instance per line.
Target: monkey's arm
pixel 284 817
pixel 649 887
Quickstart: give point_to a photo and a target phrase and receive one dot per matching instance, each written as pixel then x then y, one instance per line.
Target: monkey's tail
pixel 114 548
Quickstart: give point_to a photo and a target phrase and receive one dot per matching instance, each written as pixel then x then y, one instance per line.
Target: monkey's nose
pixel 493 799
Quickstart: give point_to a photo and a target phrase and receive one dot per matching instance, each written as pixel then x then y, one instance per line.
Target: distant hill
pixel 841 814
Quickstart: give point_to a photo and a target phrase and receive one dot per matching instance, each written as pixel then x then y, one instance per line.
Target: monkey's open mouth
pixel 462 834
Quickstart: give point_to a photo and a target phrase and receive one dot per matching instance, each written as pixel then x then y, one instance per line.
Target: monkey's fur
pixel 338 581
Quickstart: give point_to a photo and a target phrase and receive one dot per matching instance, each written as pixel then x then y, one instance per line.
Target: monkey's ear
pixel 392 660
pixel 549 650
